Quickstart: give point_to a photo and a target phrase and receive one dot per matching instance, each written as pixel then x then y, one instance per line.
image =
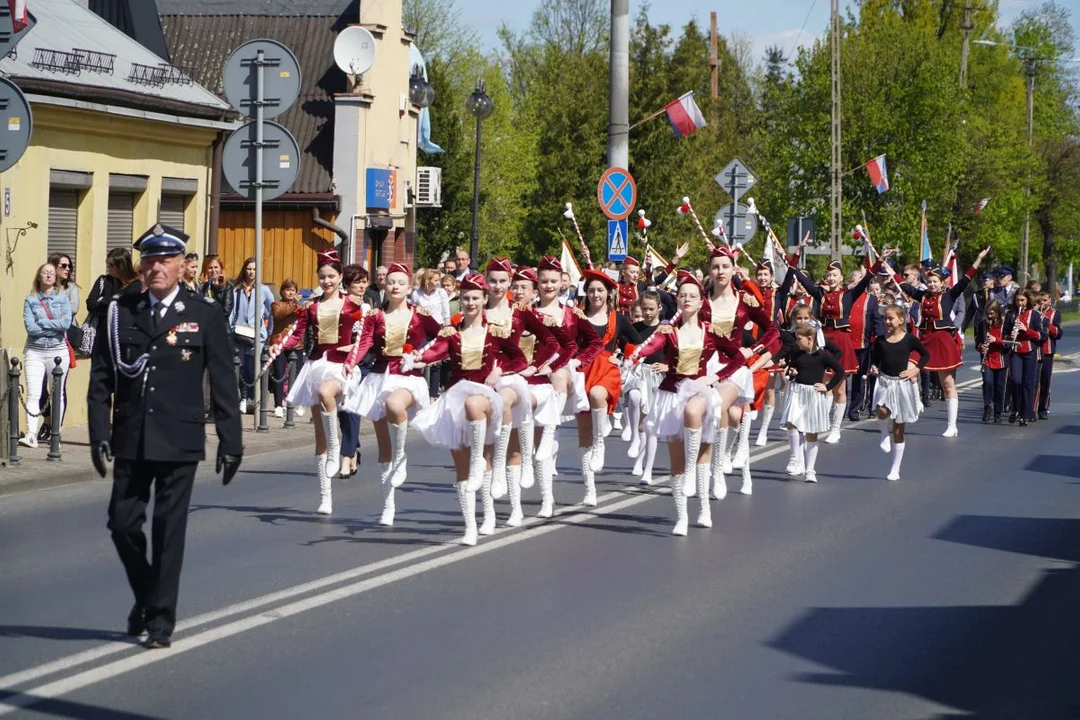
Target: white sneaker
pixel 279 412
pixel 811 476
pixel 950 431
pixel 794 466
pixel 28 440
pixel 833 437
pixel 893 476
pixel 243 407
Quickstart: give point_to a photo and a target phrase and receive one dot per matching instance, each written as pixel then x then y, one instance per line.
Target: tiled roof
pixel 325 8
pixel 46 61
pixel 202 44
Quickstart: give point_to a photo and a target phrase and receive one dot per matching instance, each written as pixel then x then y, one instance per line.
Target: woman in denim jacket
pixel 243 315
pixel 47 316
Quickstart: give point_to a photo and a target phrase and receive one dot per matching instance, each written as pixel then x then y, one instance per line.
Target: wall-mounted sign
pixel 381 189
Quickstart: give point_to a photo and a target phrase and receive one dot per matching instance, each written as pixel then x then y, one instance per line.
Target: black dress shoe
pixel 1023 422
pixel 853 416
pixel 44 433
pixel 997 418
pixel 136 624
pixel 157 640
pixel 1044 415
pixel 987 411
pixel 1013 417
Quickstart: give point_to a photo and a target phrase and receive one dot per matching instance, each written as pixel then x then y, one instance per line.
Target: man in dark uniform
pixel 147 369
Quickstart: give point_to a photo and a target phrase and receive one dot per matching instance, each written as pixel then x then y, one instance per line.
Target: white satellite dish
pixel 354 50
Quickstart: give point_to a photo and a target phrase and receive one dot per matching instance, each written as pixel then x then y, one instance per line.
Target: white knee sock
pixel 811 449
pixel 795 442
pixel 897 458
pixel 886 430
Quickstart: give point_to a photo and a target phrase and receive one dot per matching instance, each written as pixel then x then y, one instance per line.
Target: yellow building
pixel 120 141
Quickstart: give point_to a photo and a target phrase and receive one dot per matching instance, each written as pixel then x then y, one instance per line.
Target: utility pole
pixel 619 90
pixel 967 27
pixel 1029 68
pixel 836 186
pixel 714 63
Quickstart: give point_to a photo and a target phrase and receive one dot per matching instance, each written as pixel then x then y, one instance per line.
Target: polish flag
pixel 978 207
pixel 18 14
pixel 879 175
pixel 684 115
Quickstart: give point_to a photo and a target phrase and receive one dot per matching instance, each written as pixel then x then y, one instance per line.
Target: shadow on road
pixel 1066 465
pixel 47 632
pixel 79 711
pixel 1007 662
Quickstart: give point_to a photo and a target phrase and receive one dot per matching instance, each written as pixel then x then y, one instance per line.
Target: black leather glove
pixel 227 465
pixel 100 453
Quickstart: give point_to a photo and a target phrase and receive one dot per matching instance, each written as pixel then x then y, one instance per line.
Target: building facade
pixel 120 141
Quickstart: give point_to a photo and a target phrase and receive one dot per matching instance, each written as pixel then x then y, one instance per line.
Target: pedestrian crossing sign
pixel 616 240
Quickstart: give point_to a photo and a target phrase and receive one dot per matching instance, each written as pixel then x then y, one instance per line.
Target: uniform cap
pixel 549 263
pixel 162 241
pixel 600 276
pixel 474 281
pixel 500 264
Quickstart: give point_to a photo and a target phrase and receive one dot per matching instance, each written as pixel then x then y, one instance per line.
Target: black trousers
pixel 859 382
pixel 994 388
pixel 1024 374
pixel 1046 371
pixel 155 583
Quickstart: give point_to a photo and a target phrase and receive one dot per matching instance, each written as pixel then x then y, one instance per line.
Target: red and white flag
pixel 684 115
pixel 978 207
pixel 18 14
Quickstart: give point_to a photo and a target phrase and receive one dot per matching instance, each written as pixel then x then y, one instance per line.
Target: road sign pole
pixel 260 80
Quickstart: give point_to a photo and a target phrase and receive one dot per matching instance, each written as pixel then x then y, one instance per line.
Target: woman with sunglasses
pixel 65 285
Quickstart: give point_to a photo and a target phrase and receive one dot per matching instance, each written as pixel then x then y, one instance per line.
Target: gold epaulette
pixel 422 311
pixel 448 331
pixel 499 331
pixel 522 306
pixel 750 299
pixel 580 313
pixel 550 321
pixel 665 329
pixel 375 313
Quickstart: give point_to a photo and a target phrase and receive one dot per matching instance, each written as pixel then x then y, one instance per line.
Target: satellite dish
pixel 354 50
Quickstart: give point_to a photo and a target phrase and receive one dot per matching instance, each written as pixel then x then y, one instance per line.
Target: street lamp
pixel 1027 54
pixel 420 91
pixel 480 106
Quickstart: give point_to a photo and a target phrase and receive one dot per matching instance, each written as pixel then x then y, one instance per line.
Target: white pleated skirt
pixel 522 412
pixel 305 389
pixel 548 411
pixel 369 399
pixel 901 397
pixel 806 409
pixel 443 424
pixel 645 380
pixel 665 419
pixel 742 379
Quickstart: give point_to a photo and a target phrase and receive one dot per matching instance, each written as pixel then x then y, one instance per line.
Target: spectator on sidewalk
pixel 215 285
pixel 283 313
pixel 189 277
pixel 47 316
pixel 376 294
pixel 242 325
pixel 65 284
pixel 450 287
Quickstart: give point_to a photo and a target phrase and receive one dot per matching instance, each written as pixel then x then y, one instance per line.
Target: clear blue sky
pixel 768 22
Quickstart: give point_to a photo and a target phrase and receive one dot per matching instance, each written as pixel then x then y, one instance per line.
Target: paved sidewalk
pixel 35 471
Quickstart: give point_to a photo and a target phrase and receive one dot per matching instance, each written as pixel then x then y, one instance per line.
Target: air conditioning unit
pixel 428 187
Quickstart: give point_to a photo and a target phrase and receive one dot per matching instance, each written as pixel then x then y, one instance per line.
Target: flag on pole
pixel 879 174
pixel 978 207
pixel 871 256
pixel 19 19
pixel 569 264
pixel 950 263
pixel 684 115
pixel 925 253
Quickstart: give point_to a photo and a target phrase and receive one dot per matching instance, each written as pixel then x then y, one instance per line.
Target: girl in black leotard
pixel 896 395
pixel 806 411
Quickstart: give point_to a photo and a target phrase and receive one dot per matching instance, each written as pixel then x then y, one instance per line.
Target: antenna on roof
pixel 354 52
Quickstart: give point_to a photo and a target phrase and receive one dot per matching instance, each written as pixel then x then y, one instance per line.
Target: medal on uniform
pixel 179 306
pixel 171 337
pixel 185 354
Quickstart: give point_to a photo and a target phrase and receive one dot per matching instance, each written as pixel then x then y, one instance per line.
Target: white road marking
pixel 532 528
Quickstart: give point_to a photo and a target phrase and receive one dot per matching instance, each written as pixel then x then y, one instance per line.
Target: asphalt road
pixel 952 593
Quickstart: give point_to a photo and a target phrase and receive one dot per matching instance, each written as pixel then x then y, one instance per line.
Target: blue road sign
pixel 616 240
pixel 617 193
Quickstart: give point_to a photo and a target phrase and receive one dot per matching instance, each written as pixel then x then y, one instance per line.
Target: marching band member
pixel 684 405
pixel 641 385
pixel 806 410
pixel 937 331
pixel 835 302
pixel 512 466
pixel 1051 322
pixel 466 418
pixel 322 382
pixel 730 311
pixel 579 345
pixel 1025 328
pixel 896 394
pixel 773 299
pixel 864 320
pixel 995 361
pixel 394 390
pixel 602 377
